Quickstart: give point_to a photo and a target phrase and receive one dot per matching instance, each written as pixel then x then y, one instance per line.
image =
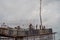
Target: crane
pixel 40 14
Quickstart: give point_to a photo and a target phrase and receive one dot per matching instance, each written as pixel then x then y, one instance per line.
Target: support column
pixel 15 38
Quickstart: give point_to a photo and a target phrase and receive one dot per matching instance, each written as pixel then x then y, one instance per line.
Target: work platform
pixel 18 33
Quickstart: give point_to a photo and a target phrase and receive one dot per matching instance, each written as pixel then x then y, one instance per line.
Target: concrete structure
pixel 18 33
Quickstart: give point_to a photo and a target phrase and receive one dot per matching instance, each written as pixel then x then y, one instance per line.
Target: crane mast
pixel 40 13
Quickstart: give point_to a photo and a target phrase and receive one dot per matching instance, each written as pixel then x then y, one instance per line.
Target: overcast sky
pixel 14 11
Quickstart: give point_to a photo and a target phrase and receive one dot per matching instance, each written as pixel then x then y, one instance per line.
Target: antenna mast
pixel 40 13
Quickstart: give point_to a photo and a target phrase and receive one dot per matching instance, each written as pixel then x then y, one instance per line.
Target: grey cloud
pixel 12 11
